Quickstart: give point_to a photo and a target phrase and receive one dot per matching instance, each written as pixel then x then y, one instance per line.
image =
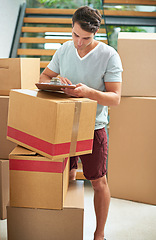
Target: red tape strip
pixel 49 148
pixel 37 166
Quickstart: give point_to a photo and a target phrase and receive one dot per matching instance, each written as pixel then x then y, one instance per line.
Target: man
pixel 96 69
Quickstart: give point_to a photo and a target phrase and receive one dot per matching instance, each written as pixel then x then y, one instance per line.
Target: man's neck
pixel 86 50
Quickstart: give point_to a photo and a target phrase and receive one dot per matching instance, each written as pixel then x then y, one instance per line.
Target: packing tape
pixel 75 129
pixel 37 166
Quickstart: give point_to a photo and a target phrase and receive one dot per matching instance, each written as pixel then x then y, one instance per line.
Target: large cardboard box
pixel 36 181
pixel 52 124
pixel 40 224
pixel 4 187
pixel 6 146
pixel 132 150
pixel 138 55
pixel 16 73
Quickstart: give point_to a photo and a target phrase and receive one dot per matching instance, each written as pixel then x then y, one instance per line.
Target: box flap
pixel 22 151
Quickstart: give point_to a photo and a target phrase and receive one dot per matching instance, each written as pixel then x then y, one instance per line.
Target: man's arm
pixel 47 75
pixel 109 98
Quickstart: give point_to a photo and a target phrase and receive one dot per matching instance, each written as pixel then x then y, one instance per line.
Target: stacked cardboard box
pixel 14 73
pixel 33 223
pixel 4 187
pixel 52 124
pixel 36 181
pixel 131 163
pixel 49 127
pixel 18 73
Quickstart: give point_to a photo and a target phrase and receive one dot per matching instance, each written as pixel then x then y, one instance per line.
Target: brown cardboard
pixel 4 187
pixel 132 150
pixel 6 146
pixel 36 181
pixel 52 124
pixel 26 223
pixel 16 73
pixel 138 55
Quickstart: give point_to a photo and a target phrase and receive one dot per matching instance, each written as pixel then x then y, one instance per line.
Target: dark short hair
pixel 88 18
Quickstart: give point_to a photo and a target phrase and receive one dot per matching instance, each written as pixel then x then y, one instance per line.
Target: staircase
pixel 44 30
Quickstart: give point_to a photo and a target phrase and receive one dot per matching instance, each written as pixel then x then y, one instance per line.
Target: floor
pixel 127 220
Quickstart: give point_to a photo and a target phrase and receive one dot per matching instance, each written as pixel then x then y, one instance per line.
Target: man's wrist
pixel 91 93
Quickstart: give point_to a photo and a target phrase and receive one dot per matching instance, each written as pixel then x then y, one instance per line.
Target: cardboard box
pixel 138 55
pixel 132 150
pixel 52 124
pixel 36 181
pixel 16 73
pixel 4 187
pixel 27 223
pixel 6 146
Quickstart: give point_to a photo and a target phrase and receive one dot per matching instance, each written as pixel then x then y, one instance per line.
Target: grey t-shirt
pixel 100 65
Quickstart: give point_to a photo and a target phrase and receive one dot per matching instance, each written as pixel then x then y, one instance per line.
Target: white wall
pixel 8 16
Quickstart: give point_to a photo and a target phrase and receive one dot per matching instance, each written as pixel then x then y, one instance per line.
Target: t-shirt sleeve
pixel 114 69
pixel 54 63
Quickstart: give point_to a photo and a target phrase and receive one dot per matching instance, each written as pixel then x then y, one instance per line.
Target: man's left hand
pixel 81 90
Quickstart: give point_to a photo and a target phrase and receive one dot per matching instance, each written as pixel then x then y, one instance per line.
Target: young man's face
pixel 81 38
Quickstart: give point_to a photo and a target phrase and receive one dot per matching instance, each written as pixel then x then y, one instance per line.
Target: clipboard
pixel 53 87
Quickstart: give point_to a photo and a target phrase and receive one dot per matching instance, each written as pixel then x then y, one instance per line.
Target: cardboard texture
pixel 4 187
pixel 52 124
pixel 132 150
pixel 40 224
pixel 138 55
pixel 17 73
pixel 6 146
pixel 36 181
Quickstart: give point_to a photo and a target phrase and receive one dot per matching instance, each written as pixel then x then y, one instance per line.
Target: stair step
pixel 50 11
pixel 45 40
pixel 79 173
pixel 36 52
pixel 129 2
pixel 47 20
pixel 106 12
pixel 50 20
pixel 128 13
pixel 46 29
pixel 43 64
pixel 53 29
pixel 80 176
pixel 41 40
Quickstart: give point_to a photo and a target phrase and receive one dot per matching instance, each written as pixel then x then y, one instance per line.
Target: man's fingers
pixel 68 81
pixel 65 81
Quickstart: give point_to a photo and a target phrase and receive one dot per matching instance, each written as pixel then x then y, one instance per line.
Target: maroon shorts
pixel 94 164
